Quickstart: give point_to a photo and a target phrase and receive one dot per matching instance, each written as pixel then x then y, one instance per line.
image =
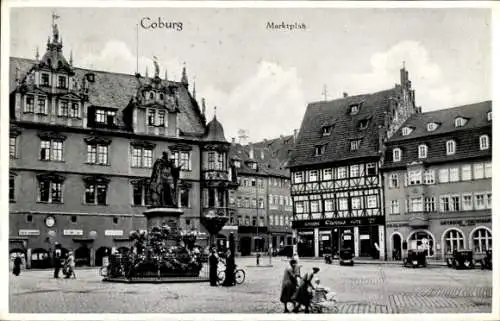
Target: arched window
pixel 453 240
pixel 484 142
pixel 151 96
pixel 422 240
pixel 481 240
pixel 161 96
pixel 396 154
pixel 422 151
pixel 450 147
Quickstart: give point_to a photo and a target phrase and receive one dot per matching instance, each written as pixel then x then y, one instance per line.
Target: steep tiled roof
pixel 115 90
pixel 345 127
pixel 476 115
pixel 270 156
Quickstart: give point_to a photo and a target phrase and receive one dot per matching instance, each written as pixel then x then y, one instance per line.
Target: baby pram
pixel 68 270
pixel 323 301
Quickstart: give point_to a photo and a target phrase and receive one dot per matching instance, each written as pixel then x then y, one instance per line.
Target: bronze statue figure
pixel 164 182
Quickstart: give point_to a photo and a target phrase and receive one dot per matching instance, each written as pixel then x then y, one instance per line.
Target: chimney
pixel 233 140
pixel 345 94
pixel 295 134
pixel 251 151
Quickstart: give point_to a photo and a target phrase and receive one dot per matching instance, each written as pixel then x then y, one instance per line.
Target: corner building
pixel 82 144
pixel 335 170
pixel 437 177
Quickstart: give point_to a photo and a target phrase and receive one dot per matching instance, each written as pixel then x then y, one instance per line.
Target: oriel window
pixel 29 106
pixel 61 82
pixel 42 106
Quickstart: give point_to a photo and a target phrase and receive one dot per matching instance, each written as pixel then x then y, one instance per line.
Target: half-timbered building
pixel 335 170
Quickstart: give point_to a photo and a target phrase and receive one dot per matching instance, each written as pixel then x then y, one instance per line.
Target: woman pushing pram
pixel 312 296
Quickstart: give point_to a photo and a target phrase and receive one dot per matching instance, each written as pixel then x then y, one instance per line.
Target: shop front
pixel 315 238
pixel 441 237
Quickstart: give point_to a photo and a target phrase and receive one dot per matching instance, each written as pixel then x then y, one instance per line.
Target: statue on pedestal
pixel 164 182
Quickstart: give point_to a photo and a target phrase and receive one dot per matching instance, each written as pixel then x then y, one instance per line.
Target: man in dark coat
pixel 213 262
pixel 305 292
pixel 57 260
pixel 289 284
pixel 17 265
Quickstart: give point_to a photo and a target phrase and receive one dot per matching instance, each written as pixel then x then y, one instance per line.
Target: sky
pixel 262 79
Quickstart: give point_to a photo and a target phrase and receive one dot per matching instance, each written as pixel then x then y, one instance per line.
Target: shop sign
pixel 306 233
pixel 29 232
pixel 352 221
pixel 73 232
pixel 396 225
pixel 325 237
pixel 230 227
pixel 113 232
pixel 466 222
pixel 364 237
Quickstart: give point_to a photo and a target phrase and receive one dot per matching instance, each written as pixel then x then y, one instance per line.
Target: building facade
pixel 437 177
pixel 82 144
pixel 335 170
pixel 262 200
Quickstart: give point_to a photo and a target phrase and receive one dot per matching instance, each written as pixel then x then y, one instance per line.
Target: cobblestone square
pixel 363 288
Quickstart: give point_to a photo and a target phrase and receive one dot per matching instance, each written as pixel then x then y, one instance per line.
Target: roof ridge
pixel 348 97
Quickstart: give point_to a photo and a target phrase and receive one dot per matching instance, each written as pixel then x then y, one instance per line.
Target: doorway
pixel 82 256
pixel 396 247
pixel 100 254
pixel 245 245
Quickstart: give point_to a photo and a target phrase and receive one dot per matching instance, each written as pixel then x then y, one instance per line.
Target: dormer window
pixel 237 164
pixel 396 155
pixel 253 165
pixel 406 131
pixel 105 117
pixel 363 124
pixel 460 122
pixel 45 79
pixel 354 109
pixel 61 82
pixel 432 127
pixel 489 116
pixel 319 150
pixel 355 143
pixel 326 130
pixel 151 117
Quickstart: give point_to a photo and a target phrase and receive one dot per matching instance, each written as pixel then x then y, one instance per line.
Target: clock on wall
pixel 50 221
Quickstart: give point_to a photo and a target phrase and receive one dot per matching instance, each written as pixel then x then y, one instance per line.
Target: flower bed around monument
pixel 158 254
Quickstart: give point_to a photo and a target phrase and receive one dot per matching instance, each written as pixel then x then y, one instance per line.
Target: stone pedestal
pixel 159 215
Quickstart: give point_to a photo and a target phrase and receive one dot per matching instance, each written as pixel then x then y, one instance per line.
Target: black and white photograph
pixel 241 158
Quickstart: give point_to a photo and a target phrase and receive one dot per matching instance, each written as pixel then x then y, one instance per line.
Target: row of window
pixel 98 154
pixel 247 202
pixel 259 182
pixel 342 172
pixel 354 145
pixel 52 191
pixel 451 147
pixel 73 219
pixel 250 221
pixel 156 117
pixel 216 161
pixel 45 80
pixel 447 203
pixel 465 172
pixel 66 108
pixel 280 220
pixel 338 204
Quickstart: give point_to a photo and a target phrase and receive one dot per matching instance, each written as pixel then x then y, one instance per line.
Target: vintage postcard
pixel 248 160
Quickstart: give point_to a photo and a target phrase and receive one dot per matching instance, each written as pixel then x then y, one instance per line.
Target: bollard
pixel 258 258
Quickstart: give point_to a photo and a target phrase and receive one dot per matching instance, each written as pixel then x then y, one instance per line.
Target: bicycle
pixel 239 276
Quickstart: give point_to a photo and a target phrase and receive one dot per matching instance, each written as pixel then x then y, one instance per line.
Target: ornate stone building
pixel 82 144
pixel 437 175
pixel 335 170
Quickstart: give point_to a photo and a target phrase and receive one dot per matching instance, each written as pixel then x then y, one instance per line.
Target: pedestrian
pixel 305 292
pixel 230 267
pixel 213 262
pixel 70 266
pixel 57 257
pixel 297 266
pixel 289 285
pixel 16 270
